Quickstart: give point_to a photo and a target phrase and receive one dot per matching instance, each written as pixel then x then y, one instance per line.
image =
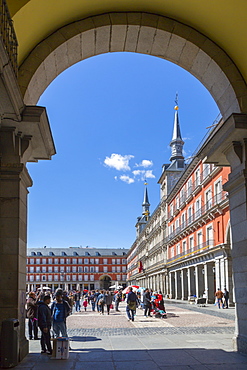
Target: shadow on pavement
pixel 84 339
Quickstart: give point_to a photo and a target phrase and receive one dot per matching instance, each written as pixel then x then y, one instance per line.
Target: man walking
pixel 60 310
pixel 219 295
pixel 147 302
pixel 131 304
pixel 44 322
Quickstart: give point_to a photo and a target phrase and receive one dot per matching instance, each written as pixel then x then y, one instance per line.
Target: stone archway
pixel 135 32
pixel 105 282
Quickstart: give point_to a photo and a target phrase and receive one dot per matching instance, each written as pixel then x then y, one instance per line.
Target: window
pixel 31 269
pixel 91 277
pixel 68 261
pixel 113 261
pixel 43 278
pixel 86 261
pixel 87 254
pixel 217 191
pixel 96 269
pixel 55 277
pixel 63 254
pixel 86 277
pixel 184 245
pixel 199 239
pixel 209 232
pixel 39 254
pixel 189 186
pixel 91 268
pixel 80 269
pixel 177 224
pixel 183 220
pixel 96 261
pixel 124 277
pixel 97 254
pixel 67 268
pixel 190 215
pixel 74 268
pixel 208 199
pixel 44 261
pixel 171 209
pixel 197 177
pixel 33 254
pixel 85 268
pixel 206 170
pixel 31 278
pixel 105 261
pixel 177 202
pixel 118 277
pixel 43 269
pixel 124 268
pixel 118 261
pixel 80 277
pixel 49 277
pixel 37 268
pixel 67 277
pixel 198 208
pixel 118 268
pixel 105 269
pixel 75 254
pixel 37 261
pixel 91 261
pixel 124 261
pixel 62 269
pixel 62 261
pixel 56 261
pixel 74 261
pixel 62 277
pixel 55 268
pixel 74 277
pixel 37 278
pixel 191 242
pixel 178 249
pixel 80 261
pixel 50 261
pixel 49 268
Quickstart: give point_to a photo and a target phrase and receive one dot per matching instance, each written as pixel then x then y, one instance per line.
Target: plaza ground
pixel 190 338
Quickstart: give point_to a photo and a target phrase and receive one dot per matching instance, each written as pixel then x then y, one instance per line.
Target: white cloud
pixel 127 179
pixel 145 163
pixel 118 161
pixel 144 174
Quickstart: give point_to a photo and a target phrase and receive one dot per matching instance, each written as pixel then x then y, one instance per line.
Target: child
pixel 85 304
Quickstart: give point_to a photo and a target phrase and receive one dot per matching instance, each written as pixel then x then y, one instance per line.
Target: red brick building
pixel 75 268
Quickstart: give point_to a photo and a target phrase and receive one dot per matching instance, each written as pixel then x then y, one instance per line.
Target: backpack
pixel 101 301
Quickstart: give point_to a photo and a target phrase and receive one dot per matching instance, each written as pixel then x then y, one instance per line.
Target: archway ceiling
pixel 223 21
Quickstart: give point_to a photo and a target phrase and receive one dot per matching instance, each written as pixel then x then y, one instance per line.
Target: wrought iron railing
pixel 192 251
pixel 7 34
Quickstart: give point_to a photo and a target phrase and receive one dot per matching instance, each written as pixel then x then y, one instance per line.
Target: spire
pixel 145 204
pixel 177 142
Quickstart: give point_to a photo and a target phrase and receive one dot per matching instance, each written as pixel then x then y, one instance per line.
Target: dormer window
pixel 39 254
pixel 87 254
pixel 75 254
pixel 97 254
pixel 33 254
pixel 51 254
pixel 64 254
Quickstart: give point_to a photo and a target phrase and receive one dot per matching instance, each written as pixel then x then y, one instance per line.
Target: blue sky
pixel 111 117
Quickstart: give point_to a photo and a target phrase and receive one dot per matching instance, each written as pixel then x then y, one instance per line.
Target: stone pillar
pixel 217 274
pixel 178 290
pixel 171 285
pixel 184 284
pixel 191 282
pixel 222 274
pixel 209 282
pixel 228 146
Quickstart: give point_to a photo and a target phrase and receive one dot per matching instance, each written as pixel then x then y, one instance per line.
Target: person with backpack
pixel 101 302
pixel 44 323
pixel 60 310
pixel 132 301
pixel 118 299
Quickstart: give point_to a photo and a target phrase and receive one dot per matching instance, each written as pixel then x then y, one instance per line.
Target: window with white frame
pixel 80 261
pixel 218 190
pixel 80 277
pixel 50 261
pixel 74 261
pixel 177 202
pixel 67 277
pixel 208 198
pixel 86 277
pixel 91 277
pixel 118 277
pixel 31 269
pixel 85 268
pixel 56 261
pixel 171 209
pixel 49 268
pixel 91 261
pixel 198 207
pixel 43 268
pixel 209 235
pixel 113 261
pixel 124 277
pixel 91 268
pixel 74 277
pixel 172 252
pixel 43 278
pixel 44 261
pixel 105 261
pixel 96 261
pixel 49 277
pixel 183 217
pixel 118 261
pixel 189 186
pixel 68 261
pixel 86 260
pixel 96 268
pixel 37 268
pixel 184 245
pixel 118 268
pixel 177 223
pixel 55 277
pixel 191 241
pixel 105 269
pixel 31 278
pixel 197 177
pixel 61 268
pixel 67 268
pixel 199 239
pixel 124 261
pixel 206 170
pixel 55 268
pixel 74 268
pixel 190 214
pixel 37 277
pixel 79 268
pixel 123 268
pixel 178 249
pixel 62 261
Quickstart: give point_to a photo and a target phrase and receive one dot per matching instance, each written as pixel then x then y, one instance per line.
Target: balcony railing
pixel 192 251
pixel 211 203
pixel 7 34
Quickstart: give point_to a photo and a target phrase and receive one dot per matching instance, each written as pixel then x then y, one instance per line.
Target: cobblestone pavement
pixel 197 338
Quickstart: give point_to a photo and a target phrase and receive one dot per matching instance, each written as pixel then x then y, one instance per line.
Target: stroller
pixel 159 308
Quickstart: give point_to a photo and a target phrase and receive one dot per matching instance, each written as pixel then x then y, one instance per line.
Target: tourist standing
pixel 44 323
pixel 32 313
pixel 60 310
pixel 108 301
pixel 147 302
pixel 132 301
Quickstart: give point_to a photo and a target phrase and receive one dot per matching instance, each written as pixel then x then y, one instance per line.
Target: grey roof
pixel 78 251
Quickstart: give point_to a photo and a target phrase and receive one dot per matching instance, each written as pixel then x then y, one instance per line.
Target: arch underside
pixel 135 32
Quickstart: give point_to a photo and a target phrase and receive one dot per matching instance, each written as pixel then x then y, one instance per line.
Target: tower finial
pixel 176 98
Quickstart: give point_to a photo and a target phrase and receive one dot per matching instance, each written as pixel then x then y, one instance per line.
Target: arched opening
pixel 105 282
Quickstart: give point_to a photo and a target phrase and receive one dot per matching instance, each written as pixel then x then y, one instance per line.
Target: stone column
pixel 171 285
pixel 222 274
pixel 209 282
pixel 191 282
pixel 178 290
pixel 228 146
pixel 217 274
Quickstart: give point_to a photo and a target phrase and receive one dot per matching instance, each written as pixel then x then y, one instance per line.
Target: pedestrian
pixel 91 299
pixel 85 304
pixel 132 301
pixel 44 323
pixel 101 302
pixel 108 301
pixel 96 294
pixel 60 310
pixel 78 301
pixel 219 295
pixel 32 313
pixel 226 298
pixel 118 299
pixel 147 302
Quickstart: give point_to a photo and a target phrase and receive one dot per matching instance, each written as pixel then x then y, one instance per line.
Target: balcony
pixel 213 203
pixel 196 250
pixel 8 36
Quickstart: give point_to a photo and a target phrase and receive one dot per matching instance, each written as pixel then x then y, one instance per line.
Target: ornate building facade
pixel 184 248
pixel 75 268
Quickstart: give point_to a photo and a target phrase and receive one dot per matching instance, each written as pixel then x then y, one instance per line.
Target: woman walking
pixel 108 301
pixel 101 302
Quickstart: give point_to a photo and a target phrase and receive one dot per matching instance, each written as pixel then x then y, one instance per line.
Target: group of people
pixel 222 298
pixel 44 314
